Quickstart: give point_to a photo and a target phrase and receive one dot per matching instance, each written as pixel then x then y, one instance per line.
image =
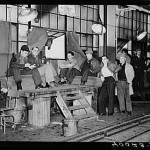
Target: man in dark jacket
pixel 90 67
pixel 139 66
pixel 47 70
pixel 19 66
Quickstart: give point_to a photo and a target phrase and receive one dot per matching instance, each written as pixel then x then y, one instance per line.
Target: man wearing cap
pixel 139 66
pixel 19 66
pixel 124 85
pixel 90 67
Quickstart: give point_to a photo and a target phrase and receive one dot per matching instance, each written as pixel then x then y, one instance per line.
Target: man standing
pixel 19 66
pixel 139 66
pixel 128 56
pixel 90 67
pixel 45 70
pixel 69 69
pixel 107 92
pixel 124 85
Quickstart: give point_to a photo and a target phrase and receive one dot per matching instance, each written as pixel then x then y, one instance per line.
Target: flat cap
pixel 25 48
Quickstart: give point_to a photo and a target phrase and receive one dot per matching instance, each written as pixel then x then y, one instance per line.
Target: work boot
pixel 40 86
pixel 122 112
pixel 82 83
pixel 47 85
pixel 19 87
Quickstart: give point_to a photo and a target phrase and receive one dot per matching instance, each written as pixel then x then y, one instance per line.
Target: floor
pixel 54 131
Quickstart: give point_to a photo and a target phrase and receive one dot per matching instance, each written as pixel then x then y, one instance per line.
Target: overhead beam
pixel 140 8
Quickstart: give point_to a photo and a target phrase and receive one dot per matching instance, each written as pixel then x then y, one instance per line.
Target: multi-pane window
pixel 50 18
pixel 132 23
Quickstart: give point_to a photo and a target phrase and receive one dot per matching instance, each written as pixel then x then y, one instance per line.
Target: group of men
pixel 116 78
pixel 71 68
pixel 26 62
pixel 123 79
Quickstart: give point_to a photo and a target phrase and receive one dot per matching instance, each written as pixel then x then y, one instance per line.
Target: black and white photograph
pixel 75 73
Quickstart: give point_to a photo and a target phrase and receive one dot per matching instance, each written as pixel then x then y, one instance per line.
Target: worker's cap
pixel 25 48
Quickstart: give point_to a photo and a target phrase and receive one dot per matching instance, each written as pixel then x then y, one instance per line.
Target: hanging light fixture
pixel 27 14
pixel 140 34
pixel 99 27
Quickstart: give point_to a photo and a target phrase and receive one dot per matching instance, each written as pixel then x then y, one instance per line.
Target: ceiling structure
pixel 146 7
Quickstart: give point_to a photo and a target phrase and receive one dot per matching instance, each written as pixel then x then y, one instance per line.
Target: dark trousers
pixel 69 73
pixel 87 73
pixel 16 72
pixel 138 81
pixel 107 94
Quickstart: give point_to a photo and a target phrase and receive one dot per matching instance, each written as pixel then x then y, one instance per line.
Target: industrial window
pixel 130 22
pixel 49 17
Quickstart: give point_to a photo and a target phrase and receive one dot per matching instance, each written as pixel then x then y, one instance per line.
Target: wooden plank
pixel 53 91
pixel 63 106
pixel 7 108
pixel 72 98
pixel 78 107
pixel 85 101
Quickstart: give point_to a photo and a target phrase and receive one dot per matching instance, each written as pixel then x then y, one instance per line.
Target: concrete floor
pixel 54 131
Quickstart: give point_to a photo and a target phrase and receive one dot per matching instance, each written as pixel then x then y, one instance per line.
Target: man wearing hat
pixel 19 66
pixel 124 85
pixel 139 66
pixel 90 67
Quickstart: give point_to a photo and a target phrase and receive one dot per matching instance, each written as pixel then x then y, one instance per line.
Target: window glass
pixel 3 12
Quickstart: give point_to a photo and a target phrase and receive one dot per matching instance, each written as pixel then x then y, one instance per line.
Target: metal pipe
pixel 105 35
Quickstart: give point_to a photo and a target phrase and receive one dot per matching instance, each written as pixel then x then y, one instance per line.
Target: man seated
pixel 45 70
pixel 69 69
pixel 90 67
pixel 19 65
